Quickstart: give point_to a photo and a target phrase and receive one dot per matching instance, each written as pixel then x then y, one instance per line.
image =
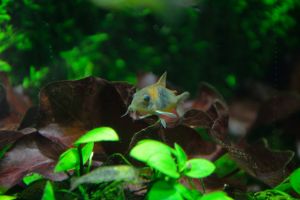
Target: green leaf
pixel 4 66
pixel 216 196
pixel 163 190
pixel 199 168
pixel 157 155
pixel 5 197
pixel 284 187
pixel 87 151
pixel 187 193
pixel 272 194
pixel 295 180
pixel 30 178
pixel 106 174
pixel 48 192
pixel 224 165
pixel 70 158
pixel 97 135
pixel 181 157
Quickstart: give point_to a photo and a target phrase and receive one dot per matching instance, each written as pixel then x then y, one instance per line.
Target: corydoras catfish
pixel 158 100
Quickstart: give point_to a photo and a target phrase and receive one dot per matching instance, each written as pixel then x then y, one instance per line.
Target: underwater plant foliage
pixel 84 114
pixel 217 42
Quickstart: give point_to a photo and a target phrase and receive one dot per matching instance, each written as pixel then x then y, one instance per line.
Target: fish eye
pixel 146 98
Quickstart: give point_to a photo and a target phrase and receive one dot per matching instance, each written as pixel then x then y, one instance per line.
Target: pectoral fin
pixel 144 116
pixel 163 123
pixel 168 114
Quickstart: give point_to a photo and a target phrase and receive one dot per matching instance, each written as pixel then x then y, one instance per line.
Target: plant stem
pixel 121 156
pixel 202 184
pixel 81 167
pixel 90 162
pixel 192 184
pixel 83 192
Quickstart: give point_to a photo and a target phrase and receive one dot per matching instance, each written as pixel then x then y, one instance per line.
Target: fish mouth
pixel 134 114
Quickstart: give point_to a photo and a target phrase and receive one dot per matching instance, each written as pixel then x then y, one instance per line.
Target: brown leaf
pixel 9 137
pixel 258 160
pixel 191 141
pixel 25 157
pixel 68 109
pixel 13 104
pixel 125 90
pixel 4 107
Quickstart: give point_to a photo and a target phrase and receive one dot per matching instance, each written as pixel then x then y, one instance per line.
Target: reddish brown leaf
pixel 25 157
pixel 191 141
pixel 9 137
pixel 125 90
pixel 13 104
pixel 258 160
pixel 68 109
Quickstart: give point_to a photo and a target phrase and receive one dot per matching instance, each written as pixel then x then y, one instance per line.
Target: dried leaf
pixel 258 160
pixel 25 157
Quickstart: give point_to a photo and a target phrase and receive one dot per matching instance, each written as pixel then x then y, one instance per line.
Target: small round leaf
pixel 164 191
pixel 70 158
pixel 181 156
pixel 157 155
pixel 216 196
pixel 97 135
pixel 295 180
pixel 199 168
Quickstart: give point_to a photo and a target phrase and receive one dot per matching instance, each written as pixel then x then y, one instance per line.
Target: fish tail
pixel 180 99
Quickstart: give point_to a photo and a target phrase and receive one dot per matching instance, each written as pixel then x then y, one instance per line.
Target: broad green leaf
pixel 187 193
pixel 70 158
pixel 157 155
pixel 5 197
pixel 48 192
pixel 295 180
pixel 199 168
pixel 224 165
pixel 30 178
pixel 163 190
pixel 86 151
pixel 97 135
pixel 216 196
pixel 284 187
pixel 181 156
pixel 105 174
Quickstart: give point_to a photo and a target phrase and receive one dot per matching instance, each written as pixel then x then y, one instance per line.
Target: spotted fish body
pixel 158 100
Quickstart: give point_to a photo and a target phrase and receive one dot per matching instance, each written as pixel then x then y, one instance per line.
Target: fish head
pixel 143 102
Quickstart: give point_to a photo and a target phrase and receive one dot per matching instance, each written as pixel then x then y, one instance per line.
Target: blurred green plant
pixel 283 190
pixel 80 59
pixel 76 39
pixel 35 77
pixel 48 192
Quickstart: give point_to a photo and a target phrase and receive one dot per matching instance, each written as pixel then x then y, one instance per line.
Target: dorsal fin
pixel 162 80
